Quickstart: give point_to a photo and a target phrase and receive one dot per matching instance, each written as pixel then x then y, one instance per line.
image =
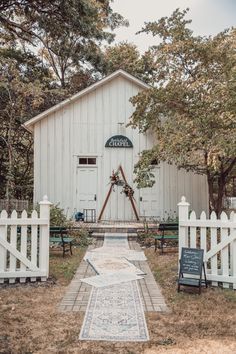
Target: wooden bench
pixel 59 236
pixel 165 238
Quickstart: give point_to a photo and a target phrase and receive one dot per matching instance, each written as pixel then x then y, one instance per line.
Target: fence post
pixel 44 236
pixel 183 230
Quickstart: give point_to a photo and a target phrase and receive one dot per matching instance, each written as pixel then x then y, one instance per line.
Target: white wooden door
pixel 150 198
pixel 86 189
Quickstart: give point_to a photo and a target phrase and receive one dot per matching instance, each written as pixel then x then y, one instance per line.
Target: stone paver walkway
pixel 77 294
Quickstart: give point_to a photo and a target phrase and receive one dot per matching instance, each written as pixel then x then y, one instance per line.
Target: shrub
pixel 57 216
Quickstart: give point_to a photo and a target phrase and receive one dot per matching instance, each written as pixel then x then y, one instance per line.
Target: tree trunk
pixel 9 144
pixel 9 177
pixel 220 195
pixel 210 181
pixel 216 200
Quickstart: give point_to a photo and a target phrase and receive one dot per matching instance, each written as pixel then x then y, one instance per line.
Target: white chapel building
pixel 80 141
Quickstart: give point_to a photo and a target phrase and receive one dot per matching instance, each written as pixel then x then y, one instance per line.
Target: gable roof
pixel 29 125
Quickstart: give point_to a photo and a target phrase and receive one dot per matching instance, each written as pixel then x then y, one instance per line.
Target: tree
pixel 126 56
pixel 25 90
pixel 191 108
pixel 69 32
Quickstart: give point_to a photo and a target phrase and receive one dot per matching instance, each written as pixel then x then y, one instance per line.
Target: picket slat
pixel 203 240
pixel 34 240
pixel 231 218
pixel 23 245
pixel 193 231
pixel 13 242
pixel 3 252
pixel 214 267
pixel 225 250
pixel 203 237
pixel 233 254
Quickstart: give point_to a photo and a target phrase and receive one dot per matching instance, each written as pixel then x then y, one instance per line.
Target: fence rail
pixel 217 237
pixel 24 244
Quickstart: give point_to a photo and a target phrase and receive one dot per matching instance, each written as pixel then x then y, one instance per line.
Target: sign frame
pixel 119 141
pixel 191 267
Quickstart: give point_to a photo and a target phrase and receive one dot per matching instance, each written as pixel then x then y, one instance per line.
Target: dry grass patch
pixel 30 323
pixel 209 316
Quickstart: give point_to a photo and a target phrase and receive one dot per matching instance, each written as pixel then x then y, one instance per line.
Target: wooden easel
pixel 192 265
pixel 109 193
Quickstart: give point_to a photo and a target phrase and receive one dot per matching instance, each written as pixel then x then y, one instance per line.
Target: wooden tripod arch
pixel 109 193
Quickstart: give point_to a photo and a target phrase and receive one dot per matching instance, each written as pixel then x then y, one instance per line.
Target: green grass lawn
pixel 63 269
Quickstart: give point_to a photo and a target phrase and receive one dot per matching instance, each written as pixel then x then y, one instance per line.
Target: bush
pixel 84 238
pixel 57 216
pixel 145 239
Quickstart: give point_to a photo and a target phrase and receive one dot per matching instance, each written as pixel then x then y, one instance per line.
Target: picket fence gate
pixel 217 237
pixel 24 244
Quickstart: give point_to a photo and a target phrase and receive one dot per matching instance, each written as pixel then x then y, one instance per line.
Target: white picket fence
pixel 217 237
pixel 24 244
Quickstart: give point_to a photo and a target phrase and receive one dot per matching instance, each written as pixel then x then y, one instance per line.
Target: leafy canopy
pixel 69 32
pixel 191 108
pixel 25 90
pixel 127 57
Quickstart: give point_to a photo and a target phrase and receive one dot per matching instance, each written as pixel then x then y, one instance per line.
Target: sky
pixel 209 17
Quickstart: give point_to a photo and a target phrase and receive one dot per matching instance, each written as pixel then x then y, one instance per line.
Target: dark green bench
pixel 59 236
pixel 168 234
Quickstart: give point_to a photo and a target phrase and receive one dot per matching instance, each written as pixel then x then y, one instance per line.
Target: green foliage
pixel 229 295
pixel 82 236
pixel 145 236
pixel 191 107
pixel 18 96
pixel 70 33
pixel 126 56
pixel 25 90
pixel 146 239
pixel 63 269
pixel 57 216
pixel 170 216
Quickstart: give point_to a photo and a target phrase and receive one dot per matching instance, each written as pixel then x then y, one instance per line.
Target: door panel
pixel 150 198
pixel 86 188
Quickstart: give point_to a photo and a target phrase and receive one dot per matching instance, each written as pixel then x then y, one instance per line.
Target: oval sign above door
pixel 119 141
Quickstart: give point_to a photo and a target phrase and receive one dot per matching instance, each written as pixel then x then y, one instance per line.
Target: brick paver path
pixel 77 294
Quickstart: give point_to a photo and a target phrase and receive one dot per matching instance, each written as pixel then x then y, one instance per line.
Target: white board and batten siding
pixel 81 128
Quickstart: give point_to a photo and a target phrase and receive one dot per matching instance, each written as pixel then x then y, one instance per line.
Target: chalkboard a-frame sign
pixel 191 267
